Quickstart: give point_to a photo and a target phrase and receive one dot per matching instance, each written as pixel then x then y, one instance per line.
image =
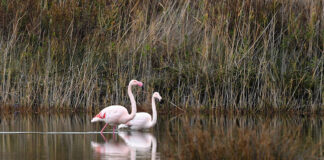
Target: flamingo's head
pixel 136 82
pixel 157 95
pixel 98 117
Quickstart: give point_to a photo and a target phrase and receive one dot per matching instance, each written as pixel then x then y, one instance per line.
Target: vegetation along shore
pixel 231 55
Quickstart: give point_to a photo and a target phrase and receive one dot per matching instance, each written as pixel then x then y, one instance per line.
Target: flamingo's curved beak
pixel 162 101
pixel 95 119
pixel 140 84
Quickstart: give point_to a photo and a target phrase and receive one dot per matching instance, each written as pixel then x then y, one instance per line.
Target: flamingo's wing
pixel 114 113
pixel 140 119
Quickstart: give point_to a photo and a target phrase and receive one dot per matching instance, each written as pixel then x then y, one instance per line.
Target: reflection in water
pixel 41 136
pixel 134 145
pixel 140 143
pixel 111 149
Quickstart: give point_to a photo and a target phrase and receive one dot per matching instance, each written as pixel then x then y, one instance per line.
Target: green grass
pixel 235 54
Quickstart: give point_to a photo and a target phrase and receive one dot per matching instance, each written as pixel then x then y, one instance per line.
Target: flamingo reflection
pixel 133 145
pixel 140 143
pixel 111 149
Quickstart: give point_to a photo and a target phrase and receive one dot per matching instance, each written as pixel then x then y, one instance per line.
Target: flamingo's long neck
pixel 133 103
pixel 153 112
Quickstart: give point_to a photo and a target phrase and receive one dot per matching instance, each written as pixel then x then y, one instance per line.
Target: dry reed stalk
pixel 233 54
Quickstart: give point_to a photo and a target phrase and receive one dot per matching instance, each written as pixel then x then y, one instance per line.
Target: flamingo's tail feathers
pixel 122 126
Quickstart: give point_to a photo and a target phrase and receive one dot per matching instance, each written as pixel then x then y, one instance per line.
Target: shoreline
pixel 163 110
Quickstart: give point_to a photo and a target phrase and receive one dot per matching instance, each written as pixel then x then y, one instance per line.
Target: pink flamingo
pixel 116 114
pixel 143 120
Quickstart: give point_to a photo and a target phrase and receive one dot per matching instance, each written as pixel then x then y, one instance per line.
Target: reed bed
pixel 234 54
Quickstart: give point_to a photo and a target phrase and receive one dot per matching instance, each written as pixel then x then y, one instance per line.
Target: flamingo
pixel 143 120
pixel 116 114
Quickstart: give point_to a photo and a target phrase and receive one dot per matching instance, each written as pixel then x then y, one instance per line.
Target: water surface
pixel 72 136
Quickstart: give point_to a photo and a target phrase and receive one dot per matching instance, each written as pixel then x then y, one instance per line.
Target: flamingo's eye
pixel 99 116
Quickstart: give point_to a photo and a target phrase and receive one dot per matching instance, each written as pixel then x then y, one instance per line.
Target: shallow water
pixel 74 137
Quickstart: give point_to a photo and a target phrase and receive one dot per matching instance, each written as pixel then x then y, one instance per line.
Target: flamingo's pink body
pixel 116 114
pixel 143 120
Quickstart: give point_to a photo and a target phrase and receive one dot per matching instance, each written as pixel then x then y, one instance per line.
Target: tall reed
pixel 231 54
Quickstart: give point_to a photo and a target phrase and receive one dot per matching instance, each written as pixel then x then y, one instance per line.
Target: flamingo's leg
pixel 104 128
pixel 114 137
pixel 103 137
pixel 114 132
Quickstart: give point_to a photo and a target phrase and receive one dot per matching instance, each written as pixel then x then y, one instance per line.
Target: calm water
pixel 74 137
